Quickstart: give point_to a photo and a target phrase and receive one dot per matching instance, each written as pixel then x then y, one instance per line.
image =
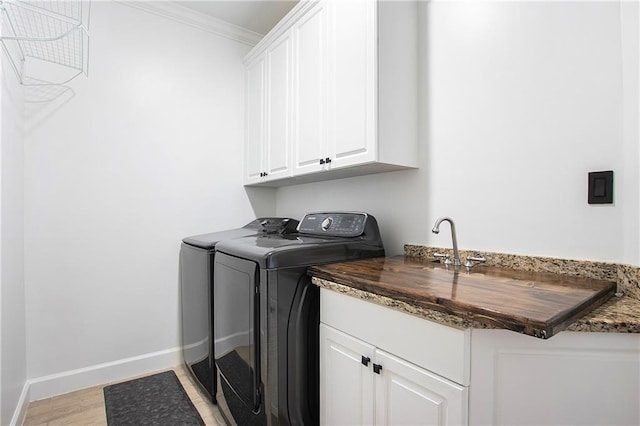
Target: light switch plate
pixel 600 187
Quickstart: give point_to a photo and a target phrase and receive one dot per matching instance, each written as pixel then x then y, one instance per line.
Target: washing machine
pixel 266 316
pixel 196 279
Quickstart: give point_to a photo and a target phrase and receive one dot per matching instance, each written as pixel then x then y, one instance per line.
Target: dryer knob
pixel 326 224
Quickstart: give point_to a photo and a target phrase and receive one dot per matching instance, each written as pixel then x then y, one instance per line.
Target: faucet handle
pixel 441 256
pixel 475 258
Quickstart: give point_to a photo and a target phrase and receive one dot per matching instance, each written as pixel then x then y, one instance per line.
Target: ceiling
pixel 255 15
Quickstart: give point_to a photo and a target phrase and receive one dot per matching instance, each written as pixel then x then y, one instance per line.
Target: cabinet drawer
pixel 438 348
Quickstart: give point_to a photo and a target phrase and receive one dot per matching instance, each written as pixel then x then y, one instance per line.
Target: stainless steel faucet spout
pixel 436 230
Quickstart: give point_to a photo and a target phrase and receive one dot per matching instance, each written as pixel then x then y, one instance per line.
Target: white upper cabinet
pixel 351 93
pixel 352 82
pixel 254 168
pixel 278 111
pixel 268 121
pixel 310 69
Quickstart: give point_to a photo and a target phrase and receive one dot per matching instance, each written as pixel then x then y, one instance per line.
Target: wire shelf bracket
pixel 46 41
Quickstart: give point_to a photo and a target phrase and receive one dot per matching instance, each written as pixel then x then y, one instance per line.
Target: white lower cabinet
pixel 363 385
pixel 366 382
pixel 431 374
pixel 570 379
pixel 346 384
pixel 409 395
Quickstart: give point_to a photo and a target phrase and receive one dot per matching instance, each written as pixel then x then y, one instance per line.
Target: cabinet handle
pixel 327 160
pixel 365 360
pixel 377 368
pixel 322 161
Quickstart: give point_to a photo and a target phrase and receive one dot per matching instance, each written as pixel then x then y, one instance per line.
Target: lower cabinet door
pixel 346 383
pixel 364 385
pixel 406 394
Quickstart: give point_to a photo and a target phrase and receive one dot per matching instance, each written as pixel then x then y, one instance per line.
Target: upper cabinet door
pixel 339 92
pixel 278 110
pixel 310 104
pixel 352 81
pixel 255 121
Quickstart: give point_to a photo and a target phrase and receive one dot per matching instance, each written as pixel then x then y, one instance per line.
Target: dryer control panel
pixel 338 224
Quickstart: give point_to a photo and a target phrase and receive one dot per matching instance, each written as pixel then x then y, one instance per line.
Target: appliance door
pixel 195 280
pixel 303 341
pixel 236 326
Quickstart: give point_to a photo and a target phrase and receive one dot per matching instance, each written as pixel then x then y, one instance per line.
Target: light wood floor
pixel 86 407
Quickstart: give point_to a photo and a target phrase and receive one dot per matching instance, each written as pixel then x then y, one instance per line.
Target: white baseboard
pixel 69 381
pixel 21 408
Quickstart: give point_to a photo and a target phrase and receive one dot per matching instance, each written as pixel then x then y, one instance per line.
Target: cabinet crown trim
pixel 281 27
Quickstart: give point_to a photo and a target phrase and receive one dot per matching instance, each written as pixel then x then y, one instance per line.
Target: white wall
pixel 13 364
pixel 630 17
pixel 148 151
pixel 519 101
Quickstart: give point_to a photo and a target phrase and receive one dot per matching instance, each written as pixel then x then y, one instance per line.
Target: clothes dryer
pixel 266 316
pixel 196 279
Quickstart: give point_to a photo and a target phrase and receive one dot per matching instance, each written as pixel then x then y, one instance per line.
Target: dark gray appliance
pixel 266 313
pixel 196 275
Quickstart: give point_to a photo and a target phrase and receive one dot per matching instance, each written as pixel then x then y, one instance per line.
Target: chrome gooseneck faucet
pixel 436 230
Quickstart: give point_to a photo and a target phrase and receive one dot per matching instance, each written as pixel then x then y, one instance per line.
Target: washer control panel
pixel 340 224
pixel 277 225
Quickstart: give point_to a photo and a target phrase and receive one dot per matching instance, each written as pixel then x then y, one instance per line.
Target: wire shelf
pixel 54 32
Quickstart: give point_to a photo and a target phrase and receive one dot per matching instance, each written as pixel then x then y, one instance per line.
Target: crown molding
pixel 281 27
pixel 174 11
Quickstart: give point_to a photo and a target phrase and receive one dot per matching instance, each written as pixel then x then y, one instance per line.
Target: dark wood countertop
pixel 535 303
